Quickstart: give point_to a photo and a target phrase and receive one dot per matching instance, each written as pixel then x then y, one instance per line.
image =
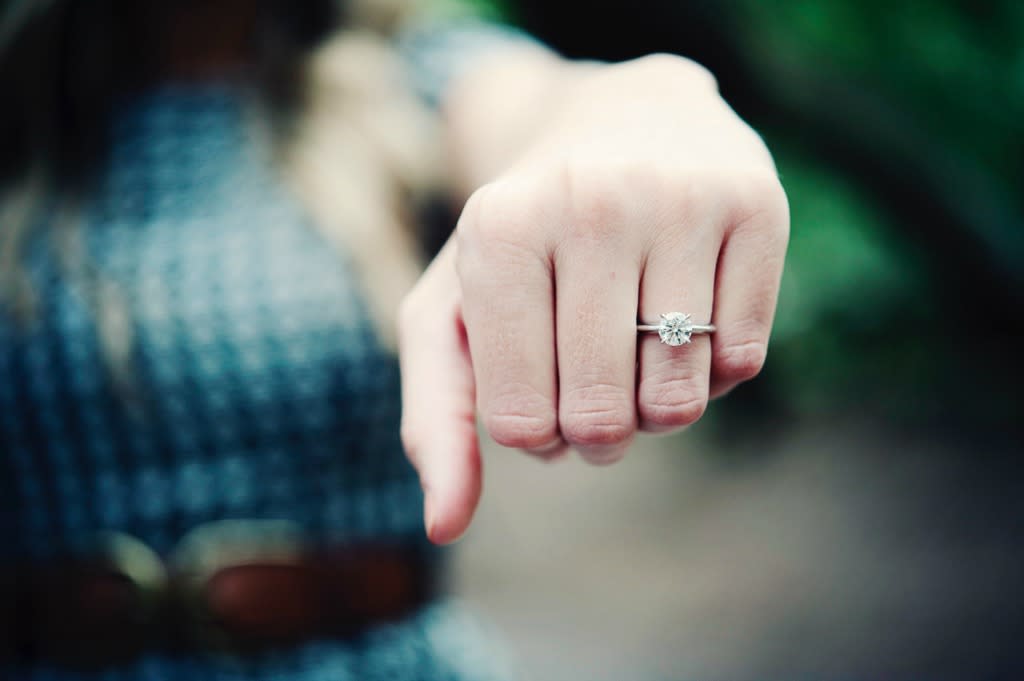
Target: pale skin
pixel 598 195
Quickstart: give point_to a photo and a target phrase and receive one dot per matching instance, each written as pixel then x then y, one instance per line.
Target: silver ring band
pixel 676 328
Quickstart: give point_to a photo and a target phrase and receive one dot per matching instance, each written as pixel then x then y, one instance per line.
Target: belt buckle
pixel 246 584
pixel 231 586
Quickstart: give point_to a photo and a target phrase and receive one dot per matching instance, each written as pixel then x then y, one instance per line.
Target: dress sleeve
pixel 437 52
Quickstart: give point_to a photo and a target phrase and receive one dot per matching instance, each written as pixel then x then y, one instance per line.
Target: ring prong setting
pixel 675 329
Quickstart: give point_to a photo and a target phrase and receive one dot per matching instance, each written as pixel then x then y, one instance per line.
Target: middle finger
pixel 596 297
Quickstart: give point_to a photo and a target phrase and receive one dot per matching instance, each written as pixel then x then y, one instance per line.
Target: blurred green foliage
pixel 493 10
pixel 958 67
pixel 842 259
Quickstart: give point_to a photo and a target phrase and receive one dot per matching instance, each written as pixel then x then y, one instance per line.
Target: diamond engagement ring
pixel 676 328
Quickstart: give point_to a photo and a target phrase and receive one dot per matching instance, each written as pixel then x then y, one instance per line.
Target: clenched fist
pixel 615 194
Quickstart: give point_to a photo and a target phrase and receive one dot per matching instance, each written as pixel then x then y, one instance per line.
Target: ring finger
pixel 672 386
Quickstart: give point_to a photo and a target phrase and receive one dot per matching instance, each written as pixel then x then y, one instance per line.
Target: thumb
pixel 438 401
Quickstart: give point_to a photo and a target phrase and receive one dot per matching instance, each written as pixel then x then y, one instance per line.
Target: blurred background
pixel 858 510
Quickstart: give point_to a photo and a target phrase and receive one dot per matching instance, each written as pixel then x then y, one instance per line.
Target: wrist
pixel 496 109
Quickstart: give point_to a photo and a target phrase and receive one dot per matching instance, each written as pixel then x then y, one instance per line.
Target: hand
pixel 642 193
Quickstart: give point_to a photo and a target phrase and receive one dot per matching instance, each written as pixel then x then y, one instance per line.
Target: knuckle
pixel 596 429
pixel 740 361
pixel 668 70
pixel 768 191
pixel 661 61
pixel 650 180
pixel 522 431
pixel 763 197
pixel 593 198
pixel 497 224
pixel 597 416
pixel 521 422
pixel 473 208
pixel 470 227
pixel 693 196
pixel 672 403
pixel 679 67
pixel 496 210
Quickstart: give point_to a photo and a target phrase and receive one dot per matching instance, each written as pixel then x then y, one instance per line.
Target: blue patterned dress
pixel 259 389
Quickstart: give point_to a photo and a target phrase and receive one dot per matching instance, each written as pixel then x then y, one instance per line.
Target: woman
pixel 203 247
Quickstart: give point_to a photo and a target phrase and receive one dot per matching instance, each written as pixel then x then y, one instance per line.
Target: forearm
pixel 503 106
pixel 495 108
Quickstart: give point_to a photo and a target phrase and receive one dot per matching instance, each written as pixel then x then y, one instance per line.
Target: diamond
pixel 675 328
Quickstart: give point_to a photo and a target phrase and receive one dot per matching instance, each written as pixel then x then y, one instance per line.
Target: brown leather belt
pixel 93 613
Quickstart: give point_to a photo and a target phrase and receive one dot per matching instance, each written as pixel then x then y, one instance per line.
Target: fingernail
pixel 603 455
pixel 428 515
pixel 552 449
